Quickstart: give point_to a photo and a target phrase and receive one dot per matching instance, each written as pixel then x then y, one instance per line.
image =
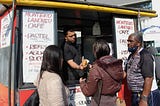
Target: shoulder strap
pixel 129 56
pixel 97 95
pixel 125 64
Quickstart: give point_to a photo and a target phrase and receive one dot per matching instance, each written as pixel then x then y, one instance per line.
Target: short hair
pixel 101 48
pixel 52 60
pixel 138 35
pixel 66 30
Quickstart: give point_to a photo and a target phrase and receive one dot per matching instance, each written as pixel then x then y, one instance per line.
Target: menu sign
pixel 38 33
pixel 123 28
pixel 6 27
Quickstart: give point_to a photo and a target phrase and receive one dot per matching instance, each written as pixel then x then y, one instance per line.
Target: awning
pixel 83 6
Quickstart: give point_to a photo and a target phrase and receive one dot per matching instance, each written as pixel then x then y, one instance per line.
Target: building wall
pixel 147 22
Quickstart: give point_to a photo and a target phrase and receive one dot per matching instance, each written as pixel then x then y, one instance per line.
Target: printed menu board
pixel 123 27
pixel 38 33
pixel 5 32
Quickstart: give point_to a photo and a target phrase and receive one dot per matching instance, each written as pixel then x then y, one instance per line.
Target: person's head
pixel 100 48
pixel 52 60
pixel 135 41
pixel 70 36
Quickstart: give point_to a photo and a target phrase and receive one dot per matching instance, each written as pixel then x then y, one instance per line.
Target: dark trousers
pixel 135 98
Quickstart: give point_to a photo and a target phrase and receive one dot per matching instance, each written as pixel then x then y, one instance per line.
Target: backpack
pixel 153 51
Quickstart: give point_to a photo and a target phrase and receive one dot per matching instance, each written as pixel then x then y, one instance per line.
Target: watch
pixel 144 97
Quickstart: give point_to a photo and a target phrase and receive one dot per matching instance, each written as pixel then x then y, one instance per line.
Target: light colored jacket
pixel 51 89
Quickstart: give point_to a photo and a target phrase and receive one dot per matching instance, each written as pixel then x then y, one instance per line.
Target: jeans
pixel 154 98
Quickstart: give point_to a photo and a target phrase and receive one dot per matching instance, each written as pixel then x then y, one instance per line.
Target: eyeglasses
pixel 72 35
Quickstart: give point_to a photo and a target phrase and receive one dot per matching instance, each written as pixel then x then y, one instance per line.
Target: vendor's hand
pixel 82 67
pixel 82 80
pixel 84 62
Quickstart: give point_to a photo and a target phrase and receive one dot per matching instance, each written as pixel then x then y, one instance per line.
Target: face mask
pixel 133 49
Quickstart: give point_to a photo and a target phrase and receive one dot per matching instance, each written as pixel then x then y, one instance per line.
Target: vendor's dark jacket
pixel 109 70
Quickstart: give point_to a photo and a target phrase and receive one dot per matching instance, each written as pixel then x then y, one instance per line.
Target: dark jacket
pixel 109 70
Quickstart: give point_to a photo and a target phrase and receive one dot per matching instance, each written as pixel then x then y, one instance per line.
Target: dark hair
pixel 101 48
pixel 66 30
pixel 138 35
pixel 52 60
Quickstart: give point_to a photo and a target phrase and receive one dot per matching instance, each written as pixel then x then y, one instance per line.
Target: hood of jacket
pixel 112 66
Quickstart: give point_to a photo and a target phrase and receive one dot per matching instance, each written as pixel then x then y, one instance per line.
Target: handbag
pixel 33 100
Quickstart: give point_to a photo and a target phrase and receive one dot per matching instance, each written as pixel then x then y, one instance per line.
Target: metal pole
pixel 139 21
pixel 10 58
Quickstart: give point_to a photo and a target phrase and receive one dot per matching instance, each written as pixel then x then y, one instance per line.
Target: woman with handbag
pixel 104 78
pixel 51 89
